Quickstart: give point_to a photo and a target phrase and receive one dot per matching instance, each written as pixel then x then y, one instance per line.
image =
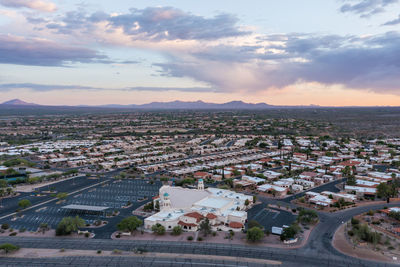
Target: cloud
pixel 369 63
pixel 154 23
pixel 41 52
pixel 366 8
pixel 40 5
pixel 218 53
pixel 392 22
pixel 5 87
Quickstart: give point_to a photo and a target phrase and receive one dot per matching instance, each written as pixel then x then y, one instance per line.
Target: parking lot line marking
pixel 50 200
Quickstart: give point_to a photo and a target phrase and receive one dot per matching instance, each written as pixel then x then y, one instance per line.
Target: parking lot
pixel 113 194
pixel 117 194
pixel 270 217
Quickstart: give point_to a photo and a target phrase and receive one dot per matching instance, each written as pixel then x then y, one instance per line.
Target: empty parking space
pixel 270 217
pixel 114 194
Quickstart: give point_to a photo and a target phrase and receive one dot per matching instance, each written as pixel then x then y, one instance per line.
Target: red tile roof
pixel 187 224
pixel 211 216
pixel 196 215
pixel 237 225
pixel 202 174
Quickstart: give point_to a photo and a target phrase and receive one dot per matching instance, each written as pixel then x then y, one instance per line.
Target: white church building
pixel 225 209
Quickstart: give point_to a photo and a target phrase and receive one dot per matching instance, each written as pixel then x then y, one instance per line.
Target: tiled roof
pixel 235 225
pixel 187 224
pixel 211 216
pixel 196 215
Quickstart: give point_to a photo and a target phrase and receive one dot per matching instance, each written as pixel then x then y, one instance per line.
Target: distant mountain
pixel 18 102
pixel 173 105
pixel 194 105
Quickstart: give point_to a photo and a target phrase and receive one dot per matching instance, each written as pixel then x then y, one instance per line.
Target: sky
pixel 280 52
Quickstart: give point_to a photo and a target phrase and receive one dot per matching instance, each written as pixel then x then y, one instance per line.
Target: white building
pixel 226 210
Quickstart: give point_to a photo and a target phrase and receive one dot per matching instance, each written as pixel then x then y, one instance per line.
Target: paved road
pixel 317 252
pixel 125 261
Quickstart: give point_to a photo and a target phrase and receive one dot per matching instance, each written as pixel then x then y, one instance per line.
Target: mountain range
pixel 197 105
pixel 18 102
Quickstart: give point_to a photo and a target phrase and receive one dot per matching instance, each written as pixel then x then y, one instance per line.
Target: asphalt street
pixel 317 252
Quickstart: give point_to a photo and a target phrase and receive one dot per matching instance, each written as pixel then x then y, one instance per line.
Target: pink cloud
pixel 40 5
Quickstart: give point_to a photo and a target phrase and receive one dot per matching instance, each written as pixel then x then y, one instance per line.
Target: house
pixel 202 175
pixel 361 190
pixel 277 190
pixel 272 175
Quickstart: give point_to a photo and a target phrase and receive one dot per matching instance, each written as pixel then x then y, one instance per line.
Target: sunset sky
pixel 282 52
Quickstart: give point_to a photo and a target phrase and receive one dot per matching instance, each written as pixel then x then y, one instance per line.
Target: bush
pixel 190 238
pixel 370 213
pixel 199 238
pixel 362 232
pixel 350 233
pixel 177 230
pixel 158 229
pixel 24 203
pixel 307 216
pixel 13 234
pixel 99 252
pixel 62 196
pixel 354 221
pixel 68 225
pixel 253 223
pixel 87 235
pixel 117 251
pixel 149 206
pixel 5 226
pixel 254 234
pixel 7 247
pixel 22 230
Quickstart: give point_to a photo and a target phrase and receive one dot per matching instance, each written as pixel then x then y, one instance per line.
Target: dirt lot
pixel 341 243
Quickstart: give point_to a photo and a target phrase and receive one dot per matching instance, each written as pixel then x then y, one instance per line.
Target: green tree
pixel 129 224
pixel 351 180
pixel 7 247
pixel 68 225
pixel 254 234
pixel 290 232
pixel 253 223
pixel 307 216
pixel 62 195
pixel 158 229
pixel 205 227
pixel 177 230
pixel 43 227
pixel 383 191
pixel 24 203
pixel 254 199
pixel 3 183
pixel 346 171
pixel 395 215
pixel 149 206
pixel 236 173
